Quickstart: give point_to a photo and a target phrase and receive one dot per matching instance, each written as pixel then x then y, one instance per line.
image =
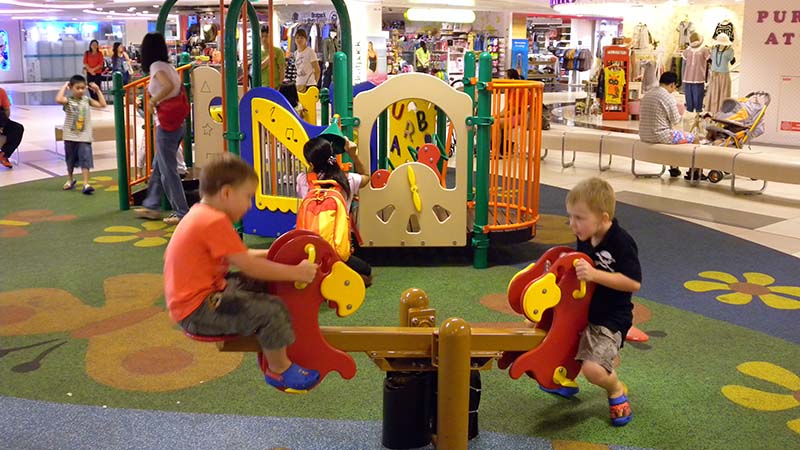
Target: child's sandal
pixel 69 185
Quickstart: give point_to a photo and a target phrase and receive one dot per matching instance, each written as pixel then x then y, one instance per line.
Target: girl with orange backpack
pixel 323 187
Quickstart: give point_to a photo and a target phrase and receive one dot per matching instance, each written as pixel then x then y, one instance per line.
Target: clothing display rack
pixel 614 83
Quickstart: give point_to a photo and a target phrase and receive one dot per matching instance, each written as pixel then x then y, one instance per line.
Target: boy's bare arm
pixel 101 99
pixel 262 269
pixel 257 253
pixel 617 281
pixel 61 96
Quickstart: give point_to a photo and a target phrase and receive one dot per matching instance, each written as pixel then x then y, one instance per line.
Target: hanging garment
pixel 641 38
pixel 649 76
pixel 313 32
pixel 719 89
pixel 724 27
pixel 685 30
pixel 721 58
pixel 615 80
pixel 695 59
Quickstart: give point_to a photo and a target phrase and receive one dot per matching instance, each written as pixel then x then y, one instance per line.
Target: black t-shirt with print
pixel 616 253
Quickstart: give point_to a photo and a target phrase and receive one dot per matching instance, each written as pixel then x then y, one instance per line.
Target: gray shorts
pixel 78 154
pixel 599 344
pixel 244 308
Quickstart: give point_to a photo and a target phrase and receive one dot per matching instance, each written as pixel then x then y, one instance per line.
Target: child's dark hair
pixel 319 153
pixel 76 79
pixel 289 90
pixel 225 170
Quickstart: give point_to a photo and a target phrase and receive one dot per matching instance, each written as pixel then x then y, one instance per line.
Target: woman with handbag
pixel 121 62
pixel 168 100
pixel 93 63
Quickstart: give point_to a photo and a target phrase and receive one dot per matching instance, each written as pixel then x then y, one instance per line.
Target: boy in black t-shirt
pixel 617 274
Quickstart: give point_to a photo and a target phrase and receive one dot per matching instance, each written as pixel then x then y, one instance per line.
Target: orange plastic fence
pixel 514 155
pixel 140 146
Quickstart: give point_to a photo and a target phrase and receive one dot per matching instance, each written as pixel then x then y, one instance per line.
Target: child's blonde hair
pixel 227 169
pixel 597 194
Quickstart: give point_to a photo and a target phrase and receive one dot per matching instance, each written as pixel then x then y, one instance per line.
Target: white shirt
pixel 305 70
pixel 155 85
pixel 353 179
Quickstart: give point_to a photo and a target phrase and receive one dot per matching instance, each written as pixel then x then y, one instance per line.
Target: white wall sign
pixel 770 39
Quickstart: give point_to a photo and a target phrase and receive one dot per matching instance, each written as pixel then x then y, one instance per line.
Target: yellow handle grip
pixel 311 251
pixel 581 292
pixel 412 181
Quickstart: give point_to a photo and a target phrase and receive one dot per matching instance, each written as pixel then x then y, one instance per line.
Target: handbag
pixel 173 111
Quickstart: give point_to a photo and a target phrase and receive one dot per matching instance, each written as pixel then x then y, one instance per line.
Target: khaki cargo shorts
pixel 600 345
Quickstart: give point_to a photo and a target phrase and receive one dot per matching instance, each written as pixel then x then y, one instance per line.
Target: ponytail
pixel 319 153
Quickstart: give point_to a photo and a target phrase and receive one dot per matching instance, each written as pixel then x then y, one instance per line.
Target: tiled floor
pixel 780 203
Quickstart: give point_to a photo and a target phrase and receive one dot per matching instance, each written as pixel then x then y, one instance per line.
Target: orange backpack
pixel 324 211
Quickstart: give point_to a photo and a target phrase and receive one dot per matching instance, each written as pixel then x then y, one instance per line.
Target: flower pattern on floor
pixel 767 401
pixel 152 234
pixel 742 292
pixel 11 226
pixel 104 183
pixel 132 343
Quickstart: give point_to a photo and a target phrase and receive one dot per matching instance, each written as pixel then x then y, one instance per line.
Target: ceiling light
pixel 27 11
pixel 99 9
pixel 132 9
pixel 444 2
pixel 440 15
pixel 74 18
pixel 39 5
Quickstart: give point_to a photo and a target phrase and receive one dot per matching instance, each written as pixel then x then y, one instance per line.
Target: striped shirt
pixel 658 113
pixel 78 119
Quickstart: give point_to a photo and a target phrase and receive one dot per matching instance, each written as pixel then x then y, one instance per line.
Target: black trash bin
pixel 474 404
pixel 407 409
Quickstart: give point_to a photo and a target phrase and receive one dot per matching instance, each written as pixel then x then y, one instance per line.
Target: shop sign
pixel 776 18
pixel 790 126
pixel 560 2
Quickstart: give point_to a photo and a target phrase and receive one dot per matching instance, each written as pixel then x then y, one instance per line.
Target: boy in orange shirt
pixel 206 300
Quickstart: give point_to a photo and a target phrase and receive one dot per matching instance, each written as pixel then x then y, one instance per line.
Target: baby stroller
pixel 737 123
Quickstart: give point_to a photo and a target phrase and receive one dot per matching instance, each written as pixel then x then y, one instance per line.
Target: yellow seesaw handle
pixel 311 251
pixel 579 293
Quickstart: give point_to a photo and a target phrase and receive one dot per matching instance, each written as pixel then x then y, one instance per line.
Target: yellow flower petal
pixel 705 286
pixel 759 400
pixel 114 239
pixel 779 302
pixel 122 229
pixel 794 425
pixel 154 225
pixel 789 290
pixel 14 223
pixel 151 242
pixel 719 276
pixel 735 298
pixel 770 372
pixel 760 279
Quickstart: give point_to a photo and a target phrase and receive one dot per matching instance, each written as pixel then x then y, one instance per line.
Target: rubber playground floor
pixel 82 324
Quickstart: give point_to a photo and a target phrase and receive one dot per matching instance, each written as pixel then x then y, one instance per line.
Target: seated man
pixel 659 113
pixel 11 130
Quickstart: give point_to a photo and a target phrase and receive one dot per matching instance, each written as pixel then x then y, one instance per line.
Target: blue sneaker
pixel 620 410
pixel 295 380
pixel 566 392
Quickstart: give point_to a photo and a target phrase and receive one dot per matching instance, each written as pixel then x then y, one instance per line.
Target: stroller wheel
pixel 715 176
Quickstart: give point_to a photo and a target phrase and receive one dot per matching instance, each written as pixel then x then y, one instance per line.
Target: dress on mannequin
pixel 685 30
pixel 719 84
pixel 694 75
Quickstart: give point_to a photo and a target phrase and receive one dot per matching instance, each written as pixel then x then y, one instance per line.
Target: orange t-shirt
pixel 195 262
pixel 94 60
pixel 4 102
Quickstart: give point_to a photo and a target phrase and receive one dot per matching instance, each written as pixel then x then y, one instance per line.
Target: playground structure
pixel 413 199
pixel 546 292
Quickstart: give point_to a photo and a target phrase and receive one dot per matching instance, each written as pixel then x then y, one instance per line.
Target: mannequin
pixel 694 75
pixel 329 48
pixel 719 83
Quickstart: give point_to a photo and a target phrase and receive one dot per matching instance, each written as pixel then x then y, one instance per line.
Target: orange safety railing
pixel 514 156
pixel 139 146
